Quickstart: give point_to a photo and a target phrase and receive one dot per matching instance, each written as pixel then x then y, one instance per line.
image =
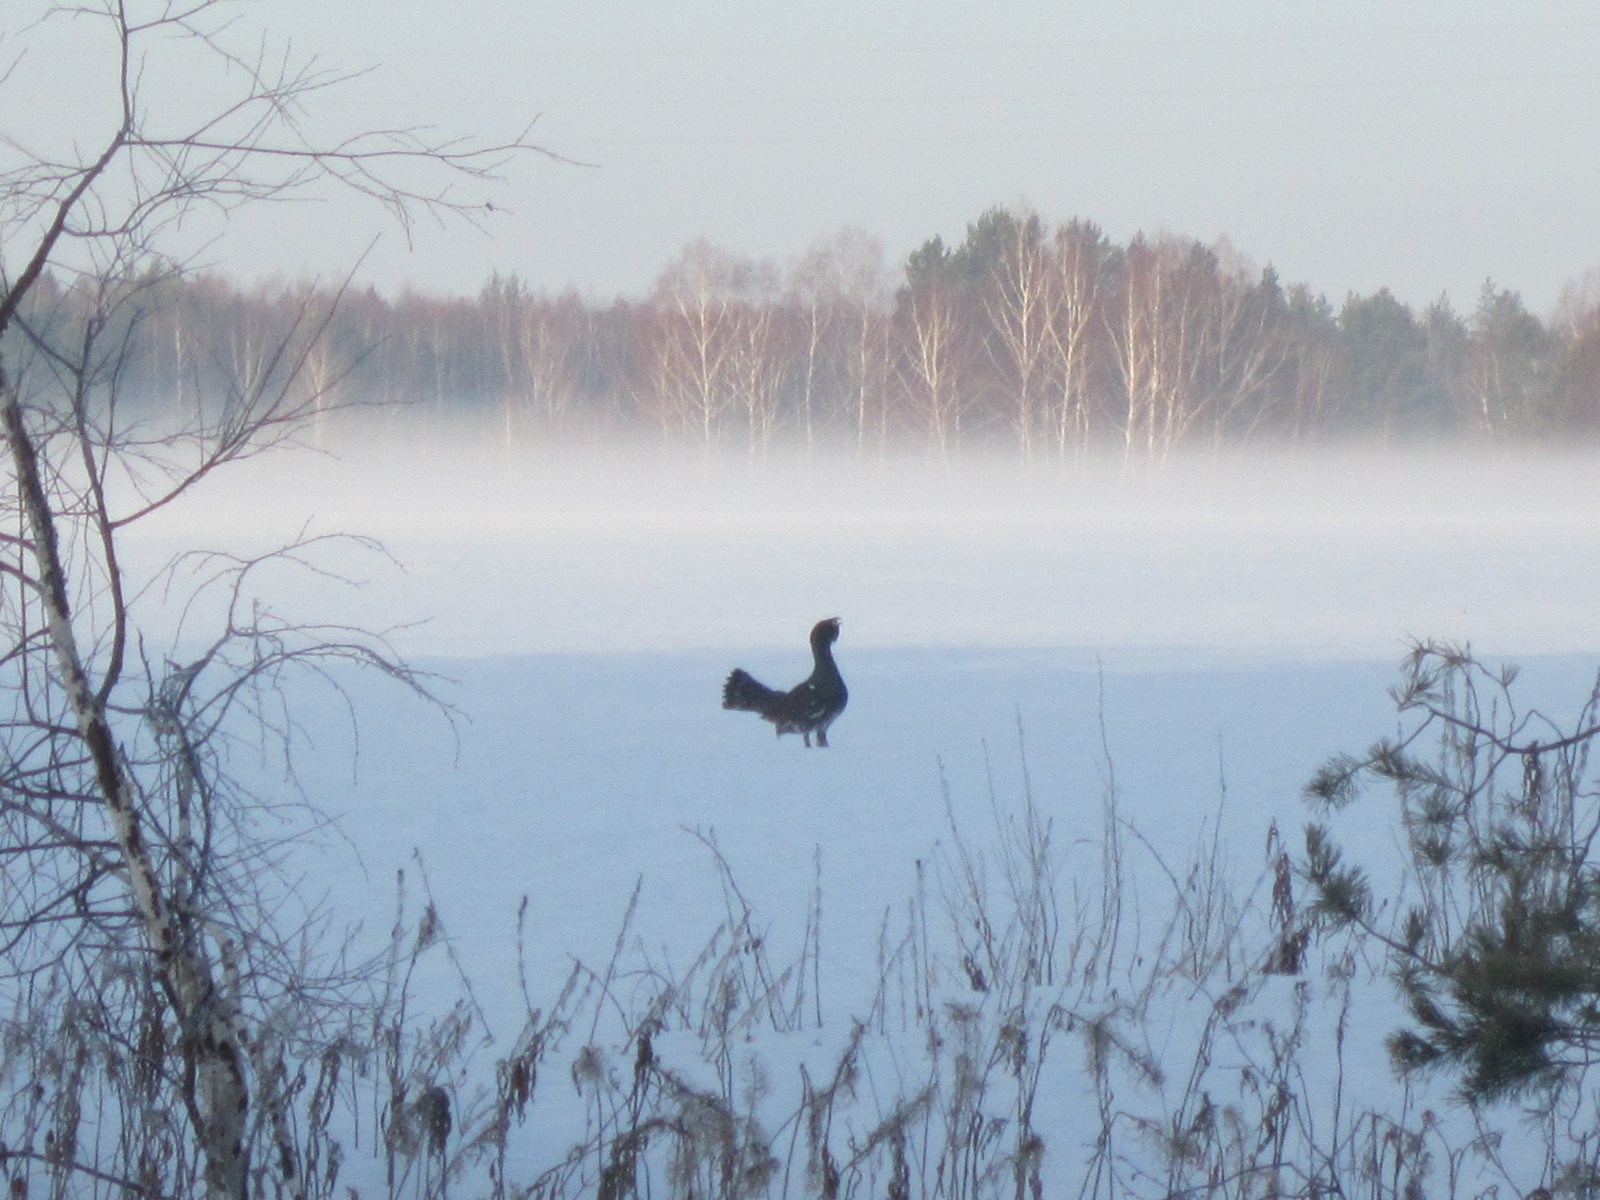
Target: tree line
pixel 1048 340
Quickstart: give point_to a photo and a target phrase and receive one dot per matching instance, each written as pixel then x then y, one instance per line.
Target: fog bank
pixel 1340 555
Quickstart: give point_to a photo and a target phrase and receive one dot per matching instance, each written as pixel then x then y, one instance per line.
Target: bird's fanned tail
pixel 744 693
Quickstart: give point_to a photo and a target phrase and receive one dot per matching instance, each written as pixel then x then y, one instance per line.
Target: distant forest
pixel 1048 340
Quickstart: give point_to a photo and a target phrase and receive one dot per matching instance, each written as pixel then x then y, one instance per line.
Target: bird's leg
pixel 822 737
pixel 807 738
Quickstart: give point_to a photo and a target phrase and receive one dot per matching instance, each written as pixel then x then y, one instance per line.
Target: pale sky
pixel 1424 146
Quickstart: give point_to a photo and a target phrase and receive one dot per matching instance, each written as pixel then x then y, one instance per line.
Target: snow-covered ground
pixel 1202 634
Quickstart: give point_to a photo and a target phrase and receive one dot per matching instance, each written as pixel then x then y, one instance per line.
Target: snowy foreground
pixel 1193 640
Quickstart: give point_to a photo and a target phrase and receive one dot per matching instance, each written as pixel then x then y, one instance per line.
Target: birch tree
pixel 840 296
pixel 934 335
pixel 1079 258
pixel 1508 365
pixel 708 326
pixel 1135 326
pixel 138 923
pixel 1023 310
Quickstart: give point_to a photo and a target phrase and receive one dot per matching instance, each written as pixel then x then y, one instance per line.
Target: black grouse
pixel 807 708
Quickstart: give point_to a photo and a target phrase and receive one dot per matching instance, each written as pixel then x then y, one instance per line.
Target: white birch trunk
pixel 212 1042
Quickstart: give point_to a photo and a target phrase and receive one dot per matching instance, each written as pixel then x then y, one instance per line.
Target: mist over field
pixel 1338 554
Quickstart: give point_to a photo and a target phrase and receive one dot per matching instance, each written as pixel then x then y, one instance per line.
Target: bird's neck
pixel 822 656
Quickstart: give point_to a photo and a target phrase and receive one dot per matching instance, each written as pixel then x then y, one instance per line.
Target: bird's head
pixel 825 633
